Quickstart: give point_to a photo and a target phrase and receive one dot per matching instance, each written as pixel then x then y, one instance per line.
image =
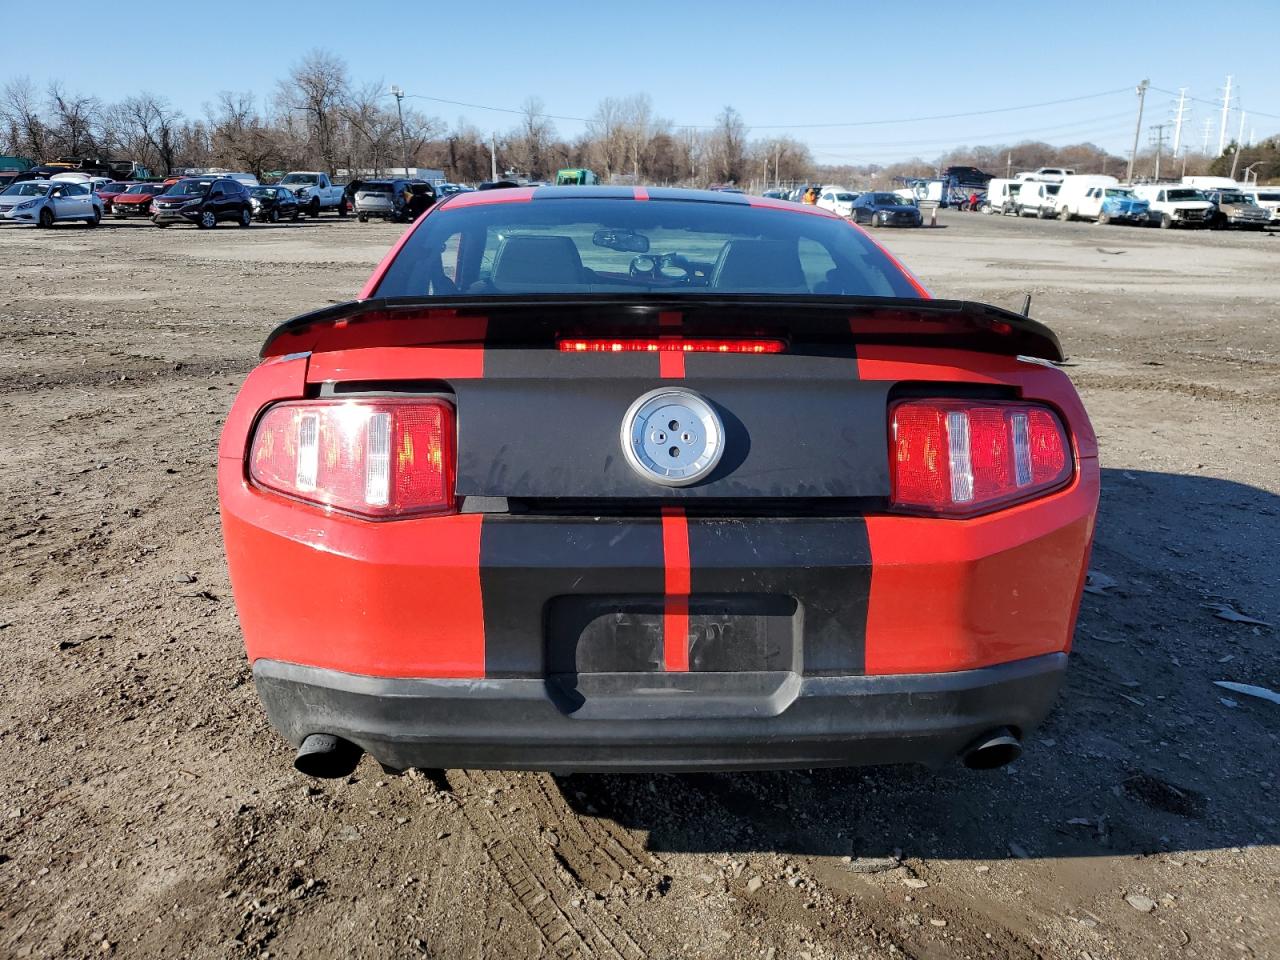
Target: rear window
pixel 375 188
pixel 620 247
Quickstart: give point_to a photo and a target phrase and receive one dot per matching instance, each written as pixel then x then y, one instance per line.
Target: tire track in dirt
pixel 555 877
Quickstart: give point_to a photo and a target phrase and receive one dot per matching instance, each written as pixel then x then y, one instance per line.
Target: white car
pixel 46 202
pixel 838 200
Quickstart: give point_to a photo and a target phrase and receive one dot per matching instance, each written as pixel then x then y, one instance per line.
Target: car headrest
pixel 530 262
pixel 760 265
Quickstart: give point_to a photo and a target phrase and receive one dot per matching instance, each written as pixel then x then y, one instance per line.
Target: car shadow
pixel 1142 754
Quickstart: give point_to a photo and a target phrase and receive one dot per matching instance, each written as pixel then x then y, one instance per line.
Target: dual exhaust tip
pixel 328 757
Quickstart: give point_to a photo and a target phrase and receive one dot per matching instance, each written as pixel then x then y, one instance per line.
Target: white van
pixel 1211 183
pixel 1081 195
pixel 1038 199
pixel 1002 194
pixel 1176 205
pixel 1268 198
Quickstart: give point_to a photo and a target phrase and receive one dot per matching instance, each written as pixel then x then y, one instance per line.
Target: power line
pixel 796 126
pixel 1091 128
pixel 1216 103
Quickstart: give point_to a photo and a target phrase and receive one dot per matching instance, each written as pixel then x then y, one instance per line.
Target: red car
pixel 623 479
pixel 136 201
pixel 109 191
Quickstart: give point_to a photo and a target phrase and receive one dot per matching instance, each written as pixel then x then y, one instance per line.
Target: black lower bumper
pixel 660 721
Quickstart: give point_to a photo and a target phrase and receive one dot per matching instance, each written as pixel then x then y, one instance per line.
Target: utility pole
pixel 1239 142
pixel 1226 109
pixel 1137 131
pixel 1157 138
pixel 1177 122
pixel 1208 132
pixel 493 156
pixel 1008 165
pixel 398 93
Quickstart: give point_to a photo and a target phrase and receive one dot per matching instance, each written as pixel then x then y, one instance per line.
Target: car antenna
pixel 1026 305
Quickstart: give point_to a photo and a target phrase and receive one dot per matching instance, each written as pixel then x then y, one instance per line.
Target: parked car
pixel 1268 198
pixel 46 202
pixel 383 199
pixel 1173 205
pixel 398 200
pixel 886 210
pixel 109 191
pixel 273 204
pixel 203 201
pixel 743 554
pixel 1235 209
pixel 970 177
pixel 838 200
pixel 315 192
pixel 136 201
pixel 1037 198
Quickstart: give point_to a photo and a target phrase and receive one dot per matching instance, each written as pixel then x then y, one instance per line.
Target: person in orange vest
pixel 811 196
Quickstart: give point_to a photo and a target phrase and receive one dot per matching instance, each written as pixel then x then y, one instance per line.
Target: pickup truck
pixel 315 192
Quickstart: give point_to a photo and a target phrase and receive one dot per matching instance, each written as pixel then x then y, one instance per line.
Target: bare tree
pixel 316 89
pixel 531 143
pixel 240 137
pixel 74 118
pixel 144 126
pixel 608 144
pixel 728 147
pixel 20 107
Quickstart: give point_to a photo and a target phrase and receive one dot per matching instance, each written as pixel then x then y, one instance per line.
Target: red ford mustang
pixel 624 479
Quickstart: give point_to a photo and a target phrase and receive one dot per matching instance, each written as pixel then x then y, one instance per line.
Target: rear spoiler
pixel 542 320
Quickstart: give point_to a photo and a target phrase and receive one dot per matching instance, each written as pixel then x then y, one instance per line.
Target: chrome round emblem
pixel 672 437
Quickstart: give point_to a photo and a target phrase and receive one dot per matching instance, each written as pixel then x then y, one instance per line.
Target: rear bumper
pixel 646 722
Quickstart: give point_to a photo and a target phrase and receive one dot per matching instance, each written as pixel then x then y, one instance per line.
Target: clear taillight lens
pixel 382 458
pixel 957 458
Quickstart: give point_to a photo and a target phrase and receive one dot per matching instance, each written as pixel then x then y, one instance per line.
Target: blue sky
pixel 818 63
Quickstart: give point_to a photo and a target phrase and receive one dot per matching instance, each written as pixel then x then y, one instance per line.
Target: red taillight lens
pixel 672 345
pixel 375 458
pixel 958 458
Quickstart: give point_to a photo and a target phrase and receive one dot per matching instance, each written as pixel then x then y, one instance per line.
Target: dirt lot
pixel 148 810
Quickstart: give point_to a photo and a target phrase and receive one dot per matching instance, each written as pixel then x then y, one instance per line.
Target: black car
pixel 967 176
pixel 273 204
pixel 203 201
pixel 886 210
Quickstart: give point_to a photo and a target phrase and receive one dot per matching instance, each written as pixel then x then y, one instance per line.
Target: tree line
pixel 320 117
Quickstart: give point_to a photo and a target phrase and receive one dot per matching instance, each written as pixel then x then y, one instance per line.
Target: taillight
pixel 377 458
pixel 957 458
pixel 672 345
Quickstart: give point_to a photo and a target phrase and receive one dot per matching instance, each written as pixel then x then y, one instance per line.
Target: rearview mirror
pixel 627 241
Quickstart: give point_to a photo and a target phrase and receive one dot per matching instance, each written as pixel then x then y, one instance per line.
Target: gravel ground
pixel 147 809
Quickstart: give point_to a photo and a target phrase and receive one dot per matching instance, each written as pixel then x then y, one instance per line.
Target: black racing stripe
pixel 835 362
pixel 702 196
pixel 824 564
pixel 549 363
pixel 528 562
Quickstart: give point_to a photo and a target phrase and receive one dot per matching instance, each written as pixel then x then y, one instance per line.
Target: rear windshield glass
pixel 375 188
pixel 620 246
